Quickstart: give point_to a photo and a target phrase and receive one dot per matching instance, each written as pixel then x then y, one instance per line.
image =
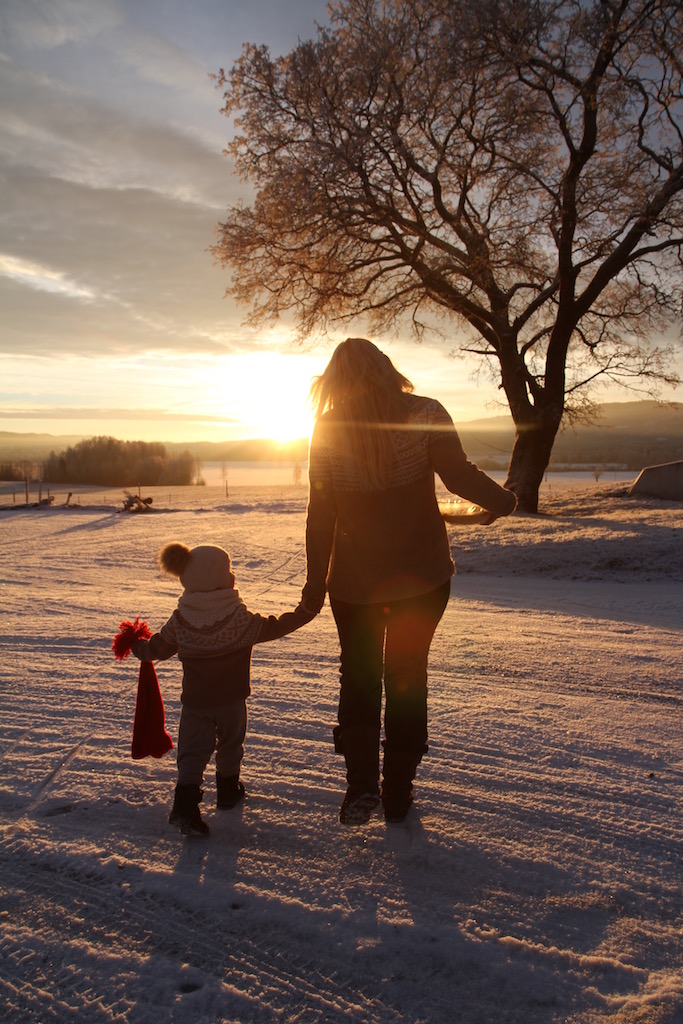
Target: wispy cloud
pixel 84 413
pixel 42 279
pixel 110 197
pixel 62 132
pixel 48 26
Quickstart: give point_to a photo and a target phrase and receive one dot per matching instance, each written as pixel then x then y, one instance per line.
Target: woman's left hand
pixel 312 600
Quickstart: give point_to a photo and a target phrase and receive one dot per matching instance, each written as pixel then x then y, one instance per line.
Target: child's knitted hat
pixel 199 569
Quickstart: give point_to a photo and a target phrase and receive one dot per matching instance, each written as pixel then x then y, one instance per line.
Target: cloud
pixel 48 26
pixel 108 211
pixel 124 218
pixel 83 413
pixel 158 61
pixel 42 278
pixel 113 173
pixel 61 133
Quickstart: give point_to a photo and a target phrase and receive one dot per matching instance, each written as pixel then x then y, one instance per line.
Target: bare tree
pixel 515 165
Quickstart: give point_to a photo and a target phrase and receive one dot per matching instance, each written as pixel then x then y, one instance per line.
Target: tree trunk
pixel 529 461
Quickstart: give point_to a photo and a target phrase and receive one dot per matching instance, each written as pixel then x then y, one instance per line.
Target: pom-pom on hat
pixel 199 569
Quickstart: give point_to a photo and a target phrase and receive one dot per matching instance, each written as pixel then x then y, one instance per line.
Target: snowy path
pixel 538 880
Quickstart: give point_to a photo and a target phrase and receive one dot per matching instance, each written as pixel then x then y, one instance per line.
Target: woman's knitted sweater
pixel 368 546
pixel 213 634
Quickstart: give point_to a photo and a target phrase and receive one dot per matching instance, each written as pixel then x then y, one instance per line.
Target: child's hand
pixel 134 649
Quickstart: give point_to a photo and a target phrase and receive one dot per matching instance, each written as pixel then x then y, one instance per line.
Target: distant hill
pixel 628 434
pixel 34 446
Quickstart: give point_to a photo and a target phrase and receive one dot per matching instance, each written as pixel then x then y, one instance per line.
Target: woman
pixel 376 542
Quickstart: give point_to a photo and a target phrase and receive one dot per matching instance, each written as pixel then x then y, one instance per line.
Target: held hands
pixel 306 611
pixel 312 599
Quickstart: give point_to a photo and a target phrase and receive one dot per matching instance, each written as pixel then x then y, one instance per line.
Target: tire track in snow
pixel 14 744
pixel 279 575
pixel 49 779
pixel 164 923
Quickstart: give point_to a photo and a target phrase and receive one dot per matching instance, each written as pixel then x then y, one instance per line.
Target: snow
pixel 538 878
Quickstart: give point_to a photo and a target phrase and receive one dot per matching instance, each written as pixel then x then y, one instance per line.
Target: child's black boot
pixel 229 791
pixel 185 813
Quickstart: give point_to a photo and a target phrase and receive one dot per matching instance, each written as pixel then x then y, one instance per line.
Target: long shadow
pixel 478 939
pixel 655 603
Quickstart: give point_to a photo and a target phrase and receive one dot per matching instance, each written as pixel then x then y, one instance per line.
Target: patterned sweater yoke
pixel 208 625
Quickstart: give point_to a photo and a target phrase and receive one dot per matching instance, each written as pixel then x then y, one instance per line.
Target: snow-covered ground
pixel 538 878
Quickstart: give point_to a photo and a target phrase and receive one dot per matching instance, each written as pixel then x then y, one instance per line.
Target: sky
pixel 114 319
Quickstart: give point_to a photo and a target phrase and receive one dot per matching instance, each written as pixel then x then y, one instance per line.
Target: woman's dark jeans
pixel 387 641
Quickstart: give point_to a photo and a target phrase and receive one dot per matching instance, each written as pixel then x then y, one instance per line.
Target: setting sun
pixel 268 393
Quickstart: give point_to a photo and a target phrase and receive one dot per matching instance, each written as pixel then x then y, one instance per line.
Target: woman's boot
pixel 360 747
pixel 397 785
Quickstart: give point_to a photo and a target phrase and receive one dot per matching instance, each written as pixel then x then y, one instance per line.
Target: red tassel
pixel 128 632
pixel 150 738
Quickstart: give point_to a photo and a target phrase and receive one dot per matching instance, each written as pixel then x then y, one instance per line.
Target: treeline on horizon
pixel 112 463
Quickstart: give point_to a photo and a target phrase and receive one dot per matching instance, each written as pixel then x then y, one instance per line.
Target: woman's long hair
pixel 364 393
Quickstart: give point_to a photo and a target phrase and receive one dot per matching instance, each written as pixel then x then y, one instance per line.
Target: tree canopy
pixel 113 463
pixel 515 166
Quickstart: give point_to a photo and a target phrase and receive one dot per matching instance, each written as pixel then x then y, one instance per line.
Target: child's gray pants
pixel 202 731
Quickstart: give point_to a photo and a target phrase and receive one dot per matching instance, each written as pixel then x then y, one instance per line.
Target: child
pixel 213 633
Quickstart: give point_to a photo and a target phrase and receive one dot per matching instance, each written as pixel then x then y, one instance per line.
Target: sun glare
pixel 268 394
